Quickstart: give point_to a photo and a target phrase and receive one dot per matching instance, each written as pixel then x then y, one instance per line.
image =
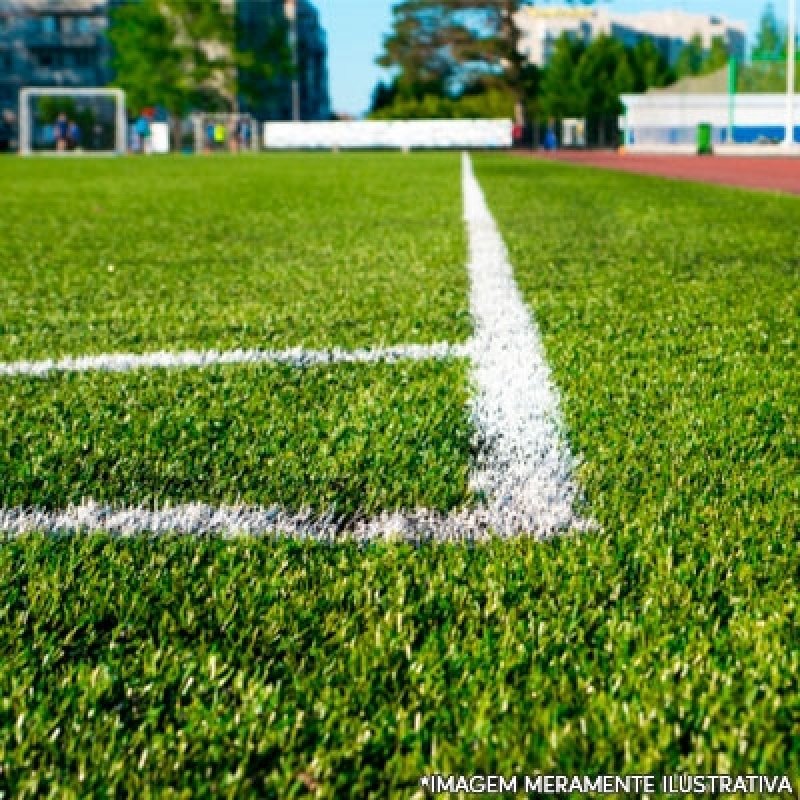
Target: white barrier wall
pixel 673 118
pixel 159 137
pixel 392 134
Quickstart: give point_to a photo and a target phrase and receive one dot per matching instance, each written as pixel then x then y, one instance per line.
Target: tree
pixel 650 68
pixel 691 57
pixel 459 48
pixel 456 47
pixel 604 72
pixel 146 61
pixel 717 58
pixel 417 49
pixel 561 92
pixel 180 54
pixel 771 36
pixel 384 95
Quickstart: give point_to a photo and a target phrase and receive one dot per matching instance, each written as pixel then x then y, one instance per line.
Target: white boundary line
pixel 295 357
pixel 524 468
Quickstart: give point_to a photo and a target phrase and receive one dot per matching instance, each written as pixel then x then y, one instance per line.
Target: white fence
pixel 389 134
pixel 672 119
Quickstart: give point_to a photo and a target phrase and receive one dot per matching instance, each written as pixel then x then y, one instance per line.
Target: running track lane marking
pixel 523 471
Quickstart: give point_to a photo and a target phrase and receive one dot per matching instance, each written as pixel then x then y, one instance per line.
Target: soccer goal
pixel 229 133
pixel 60 121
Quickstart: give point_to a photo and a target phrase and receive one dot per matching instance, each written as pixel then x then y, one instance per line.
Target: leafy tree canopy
pixel 771 37
pixel 193 53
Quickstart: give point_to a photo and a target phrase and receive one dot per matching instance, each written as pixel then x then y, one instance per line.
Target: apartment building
pixel 52 43
pixel 669 30
pixel 64 43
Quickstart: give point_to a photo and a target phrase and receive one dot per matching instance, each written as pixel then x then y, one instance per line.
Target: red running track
pixel 774 173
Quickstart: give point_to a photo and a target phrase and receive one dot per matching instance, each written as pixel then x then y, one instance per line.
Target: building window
pixel 85 58
pixel 5 59
pixel 48 24
pixel 83 25
pixel 48 58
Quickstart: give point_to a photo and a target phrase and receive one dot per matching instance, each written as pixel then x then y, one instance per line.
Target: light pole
pixel 790 69
pixel 291 13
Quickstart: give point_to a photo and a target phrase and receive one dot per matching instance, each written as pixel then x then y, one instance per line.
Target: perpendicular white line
pixel 199 519
pixel 295 357
pixel 524 467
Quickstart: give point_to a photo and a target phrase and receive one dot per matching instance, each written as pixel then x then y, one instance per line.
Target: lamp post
pixel 790 69
pixel 291 13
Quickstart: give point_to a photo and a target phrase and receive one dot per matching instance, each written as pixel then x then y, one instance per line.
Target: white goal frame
pixel 26 128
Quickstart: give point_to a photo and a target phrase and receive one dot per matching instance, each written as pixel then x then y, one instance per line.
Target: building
pixel 313 97
pixel 306 95
pixel 64 43
pixel 667 119
pixel 670 31
pixel 59 43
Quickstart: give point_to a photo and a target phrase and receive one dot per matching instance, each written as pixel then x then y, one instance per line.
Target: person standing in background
pixel 143 132
pixel 61 131
pixel 73 135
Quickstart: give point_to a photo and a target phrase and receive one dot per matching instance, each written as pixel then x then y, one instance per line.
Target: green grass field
pixel 349 438
pixel 267 252
pixel 666 642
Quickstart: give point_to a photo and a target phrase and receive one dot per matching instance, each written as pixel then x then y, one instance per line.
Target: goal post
pixel 223 132
pixel 99 119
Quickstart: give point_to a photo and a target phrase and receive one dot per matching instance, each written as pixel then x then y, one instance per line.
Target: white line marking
pixel 523 470
pixel 295 357
pixel 524 467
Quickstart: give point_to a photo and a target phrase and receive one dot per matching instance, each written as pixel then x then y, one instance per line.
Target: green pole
pixel 731 96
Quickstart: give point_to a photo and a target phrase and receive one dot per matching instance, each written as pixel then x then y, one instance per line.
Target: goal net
pixel 224 133
pixel 72 121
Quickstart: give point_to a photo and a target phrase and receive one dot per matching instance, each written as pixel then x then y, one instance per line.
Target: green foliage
pixel 649 66
pixel 146 61
pixel 417 49
pixel 767 76
pixel 493 104
pixel 562 95
pixel 771 38
pixel 691 57
pixel 269 251
pixel 49 108
pixel 586 81
pixel 694 60
pixel 604 72
pixel 351 438
pixel 184 53
pixel 718 56
pixel 451 48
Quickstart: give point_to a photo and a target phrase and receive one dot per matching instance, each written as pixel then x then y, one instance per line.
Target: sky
pixel 356 29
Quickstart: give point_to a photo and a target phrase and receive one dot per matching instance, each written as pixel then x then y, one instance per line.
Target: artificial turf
pixel 666 641
pixel 135 255
pixel 346 439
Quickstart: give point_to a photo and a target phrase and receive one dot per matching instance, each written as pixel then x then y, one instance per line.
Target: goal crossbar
pixel 26 127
